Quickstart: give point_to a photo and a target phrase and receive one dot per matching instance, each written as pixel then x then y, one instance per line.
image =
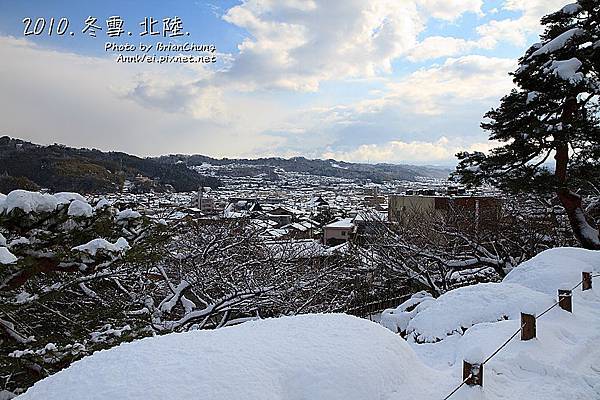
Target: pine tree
pixel 553 113
pixel 72 279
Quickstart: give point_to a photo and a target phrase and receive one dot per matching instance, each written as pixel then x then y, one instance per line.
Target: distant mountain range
pixel 61 168
pixel 377 173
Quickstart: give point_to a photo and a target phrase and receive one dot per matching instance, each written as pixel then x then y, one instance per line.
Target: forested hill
pixel 375 172
pixel 26 165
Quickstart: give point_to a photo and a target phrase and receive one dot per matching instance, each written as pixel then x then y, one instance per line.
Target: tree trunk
pixel 587 235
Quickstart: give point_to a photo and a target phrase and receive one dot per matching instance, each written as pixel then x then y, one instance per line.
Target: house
pixel 205 203
pixel 316 202
pixel 338 232
pixel 369 222
pixel 291 212
pixel 239 208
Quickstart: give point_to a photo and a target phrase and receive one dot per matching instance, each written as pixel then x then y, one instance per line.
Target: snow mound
pixel 79 208
pixel 92 247
pixel 29 202
pixel 102 203
pixel 6 257
pixel 397 319
pixel 128 214
pixel 312 357
pixel 67 197
pixel 563 362
pixel 457 310
pixel 555 269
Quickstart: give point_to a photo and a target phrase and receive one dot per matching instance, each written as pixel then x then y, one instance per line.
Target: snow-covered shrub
pixel 67 269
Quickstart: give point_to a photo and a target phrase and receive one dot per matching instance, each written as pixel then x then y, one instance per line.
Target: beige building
pixel 398 205
pixel 338 232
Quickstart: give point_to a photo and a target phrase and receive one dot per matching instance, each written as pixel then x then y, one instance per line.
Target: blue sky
pixel 368 81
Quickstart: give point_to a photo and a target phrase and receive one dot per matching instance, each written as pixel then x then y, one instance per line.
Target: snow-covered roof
pixel 345 223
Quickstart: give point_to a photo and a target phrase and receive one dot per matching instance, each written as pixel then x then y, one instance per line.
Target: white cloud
pixel 450 9
pixel 441 150
pixel 517 30
pixel 296 45
pixel 443 46
pixel 50 96
pixel 438 89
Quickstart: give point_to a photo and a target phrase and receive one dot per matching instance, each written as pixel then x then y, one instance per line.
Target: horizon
pixel 440 166
pixel 380 83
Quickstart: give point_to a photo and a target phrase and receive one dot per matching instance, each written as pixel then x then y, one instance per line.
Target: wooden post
pixel 565 300
pixel 528 326
pixel 476 370
pixel 586 278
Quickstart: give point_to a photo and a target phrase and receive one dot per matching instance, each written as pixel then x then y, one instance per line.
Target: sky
pixel 399 81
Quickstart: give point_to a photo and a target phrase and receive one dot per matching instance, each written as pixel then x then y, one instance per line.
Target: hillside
pixel 268 166
pixel 25 165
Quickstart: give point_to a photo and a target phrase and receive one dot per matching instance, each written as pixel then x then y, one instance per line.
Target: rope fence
pixel 473 373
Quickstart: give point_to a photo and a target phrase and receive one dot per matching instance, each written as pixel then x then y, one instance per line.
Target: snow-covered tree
pixel 437 251
pixel 70 273
pixel 553 112
pixel 221 273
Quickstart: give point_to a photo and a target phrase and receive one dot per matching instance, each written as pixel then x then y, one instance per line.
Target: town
pixel 300 207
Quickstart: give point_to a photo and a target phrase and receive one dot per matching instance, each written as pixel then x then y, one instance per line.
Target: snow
pixel 79 208
pixel 128 214
pixel 316 357
pixel 29 202
pixel 336 356
pixel 2 240
pixel 562 362
pixel 6 257
pixel 571 9
pixel 93 246
pixel 345 223
pixel 555 269
pixel 531 96
pixel 457 310
pixel 67 197
pixel 567 70
pixel 397 319
pixel 558 42
pixel 102 203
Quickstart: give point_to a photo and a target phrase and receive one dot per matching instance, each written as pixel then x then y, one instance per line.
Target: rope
pixel 548 309
pixel 511 338
pixel 503 344
pixel 459 386
pixel 576 286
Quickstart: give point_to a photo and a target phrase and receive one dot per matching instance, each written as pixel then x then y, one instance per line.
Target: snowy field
pixel 336 356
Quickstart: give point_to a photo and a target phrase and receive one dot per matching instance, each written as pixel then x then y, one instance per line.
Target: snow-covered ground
pixel 342 357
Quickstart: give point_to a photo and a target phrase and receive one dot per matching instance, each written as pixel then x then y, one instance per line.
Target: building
pixel 239 208
pixel 206 204
pixel 399 205
pixel 338 232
